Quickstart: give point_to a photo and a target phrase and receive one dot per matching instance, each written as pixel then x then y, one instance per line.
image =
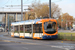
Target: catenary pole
pixel 49 8
pixel 21 10
pixel 8 24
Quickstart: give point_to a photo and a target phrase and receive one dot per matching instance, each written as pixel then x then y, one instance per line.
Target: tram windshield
pixel 50 27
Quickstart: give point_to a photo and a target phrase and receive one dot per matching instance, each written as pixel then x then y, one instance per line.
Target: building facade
pixel 13 16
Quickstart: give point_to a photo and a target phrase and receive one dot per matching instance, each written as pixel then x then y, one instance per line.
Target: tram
pixel 35 29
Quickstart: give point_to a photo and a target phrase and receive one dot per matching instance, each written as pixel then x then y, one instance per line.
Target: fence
pixel 70 37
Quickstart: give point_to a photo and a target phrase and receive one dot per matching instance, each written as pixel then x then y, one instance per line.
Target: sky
pixel 67 6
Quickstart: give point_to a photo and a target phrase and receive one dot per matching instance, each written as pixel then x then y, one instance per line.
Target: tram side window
pixel 28 29
pixel 37 28
pixel 16 29
pixel 21 28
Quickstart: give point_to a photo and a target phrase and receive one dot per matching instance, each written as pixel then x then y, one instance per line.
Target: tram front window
pixel 50 27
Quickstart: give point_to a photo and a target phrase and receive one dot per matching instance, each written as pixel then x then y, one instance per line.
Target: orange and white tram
pixel 36 29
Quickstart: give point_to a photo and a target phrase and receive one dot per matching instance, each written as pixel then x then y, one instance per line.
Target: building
pixel 13 16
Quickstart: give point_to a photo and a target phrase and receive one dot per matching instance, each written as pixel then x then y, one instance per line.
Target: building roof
pixel 12 12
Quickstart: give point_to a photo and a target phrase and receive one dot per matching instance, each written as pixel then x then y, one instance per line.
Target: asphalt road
pixel 18 46
pixel 10 43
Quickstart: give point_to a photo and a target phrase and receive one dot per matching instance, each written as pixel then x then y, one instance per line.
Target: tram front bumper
pixel 50 37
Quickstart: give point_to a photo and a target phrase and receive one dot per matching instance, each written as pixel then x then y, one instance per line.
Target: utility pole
pixel 8 24
pixel 21 10
pixel 66 24
pixel 61 20
pixel 49 8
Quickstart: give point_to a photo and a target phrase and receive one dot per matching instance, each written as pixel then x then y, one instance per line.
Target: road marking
pixel 64 47
pixel 67 49
pixel 61 41
pixel 57 47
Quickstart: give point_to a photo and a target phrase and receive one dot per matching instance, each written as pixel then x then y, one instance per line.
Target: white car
pixel 1 29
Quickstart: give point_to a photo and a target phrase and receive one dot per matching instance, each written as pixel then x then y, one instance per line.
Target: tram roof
pixel 26 22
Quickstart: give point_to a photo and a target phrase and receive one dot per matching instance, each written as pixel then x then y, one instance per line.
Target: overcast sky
pixel 67 6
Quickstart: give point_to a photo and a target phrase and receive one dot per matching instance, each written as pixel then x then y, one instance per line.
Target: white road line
pixel 58 47
pixel 64 47
pixel 67 49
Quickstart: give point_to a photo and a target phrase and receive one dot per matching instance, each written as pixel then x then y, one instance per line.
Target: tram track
pixel 49 43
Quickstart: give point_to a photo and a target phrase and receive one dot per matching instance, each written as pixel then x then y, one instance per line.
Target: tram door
pixel 28 31
pixel 16 31
pixel 37 29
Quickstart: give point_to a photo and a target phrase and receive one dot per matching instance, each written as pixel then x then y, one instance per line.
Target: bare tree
pixel 43 9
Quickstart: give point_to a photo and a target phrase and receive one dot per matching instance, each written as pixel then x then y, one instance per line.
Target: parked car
pixel 1 29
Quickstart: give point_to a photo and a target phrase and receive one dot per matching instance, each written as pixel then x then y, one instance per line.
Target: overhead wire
pixel 0 1
pixel 5 3
pixel 58 1
pixel 16 1
pixel 26 2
